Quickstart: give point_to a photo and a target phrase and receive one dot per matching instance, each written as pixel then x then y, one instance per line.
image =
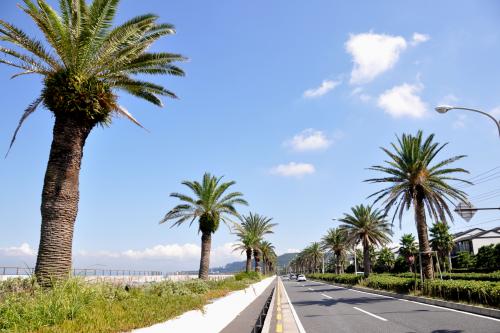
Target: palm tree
pixel 268 255
pixel 245 245
pixel 83 62
pixel 368 226
pixel 314 253
pixel 414 181
pixel 254 227
pixel 442 242
pixel 210 205
pixel 408 248
pixel 335 240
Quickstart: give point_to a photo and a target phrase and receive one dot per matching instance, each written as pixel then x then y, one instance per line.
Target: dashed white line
pixel 326 296
pixel 311 289
pixel 370 314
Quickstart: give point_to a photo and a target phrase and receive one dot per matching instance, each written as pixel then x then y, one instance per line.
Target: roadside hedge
pixel 494 277
pixel 392 283
pixel 482 292
pixel 349 279
pixel 479 292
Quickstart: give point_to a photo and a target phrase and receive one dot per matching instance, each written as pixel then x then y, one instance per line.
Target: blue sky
pixel 291 99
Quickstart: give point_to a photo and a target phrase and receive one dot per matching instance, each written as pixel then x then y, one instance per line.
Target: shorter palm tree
pixel 268 256
pixel 442 242
pixel 408 248
pixel 368 226
pixel 335 241
pixel 314 254
pixel 252 229
pixel 210 205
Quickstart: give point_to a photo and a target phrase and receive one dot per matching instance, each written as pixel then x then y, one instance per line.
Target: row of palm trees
pixel 413 179
pixel 251 240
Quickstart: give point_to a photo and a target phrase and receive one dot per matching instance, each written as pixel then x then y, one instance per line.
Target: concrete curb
pixel 489 312
pixel 215 316
pixel 266 328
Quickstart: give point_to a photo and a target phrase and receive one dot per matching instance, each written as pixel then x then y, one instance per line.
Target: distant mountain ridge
pixel 238 266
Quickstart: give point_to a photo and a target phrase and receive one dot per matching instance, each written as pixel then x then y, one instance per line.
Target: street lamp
pixel 446 108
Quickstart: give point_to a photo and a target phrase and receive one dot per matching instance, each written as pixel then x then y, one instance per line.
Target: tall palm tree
pixel 210 205
pixel 415 179
pixel 408 248
pixel 255 227
pixel 442 242
pixel 335 240
pixel 368 226
pixel 84 61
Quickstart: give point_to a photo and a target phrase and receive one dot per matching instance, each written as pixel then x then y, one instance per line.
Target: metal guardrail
pixel 82 272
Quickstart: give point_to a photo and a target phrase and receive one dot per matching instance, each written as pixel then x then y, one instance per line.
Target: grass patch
pixel 77 306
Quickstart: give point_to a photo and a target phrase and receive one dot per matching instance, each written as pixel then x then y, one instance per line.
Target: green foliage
pixel 401 265
pixel 253 276
pixel 77 306
pixel 385 261
pixel 495 276
pixel 349 279
pixel 389 282
pixel 87 99
pixel 481 292
pixel 488 257
pixel 465 260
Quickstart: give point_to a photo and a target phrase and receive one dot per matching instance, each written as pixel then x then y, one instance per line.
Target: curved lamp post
pixel 446 108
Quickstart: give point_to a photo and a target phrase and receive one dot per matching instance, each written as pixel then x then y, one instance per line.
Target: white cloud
pixel 373 54
pixel 309 139
pixel 293 169
pixel 459 122
pixel 171 251
pixel 419 38
pixel 292 251
pixel 495 112
pixel 449 99
pixel 325 87
pixel 403 101
pixel 17 251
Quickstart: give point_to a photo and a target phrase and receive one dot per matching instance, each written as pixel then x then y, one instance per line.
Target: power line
pixel 488 193
pixel 472 225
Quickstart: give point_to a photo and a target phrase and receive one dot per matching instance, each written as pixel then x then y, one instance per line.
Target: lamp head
pixel 443 108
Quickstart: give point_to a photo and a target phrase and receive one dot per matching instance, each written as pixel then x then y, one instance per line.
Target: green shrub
pixel 389 282
pixel 482 292
pixel 495 276
pixel 196 286
pixel 248 276
pixel 349 279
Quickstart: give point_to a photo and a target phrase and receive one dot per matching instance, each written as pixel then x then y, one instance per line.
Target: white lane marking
pixel 424 304
pixel 326 296
pixel 370 314
pixel 297 320
pixel 311 289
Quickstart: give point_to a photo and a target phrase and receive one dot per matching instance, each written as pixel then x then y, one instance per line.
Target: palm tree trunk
pixel 206 243
pixel 366 260
pixel 248 267
pixel 337 263
pixel 449 261
pixel 60 198
pixel 256 256
pixel 423 238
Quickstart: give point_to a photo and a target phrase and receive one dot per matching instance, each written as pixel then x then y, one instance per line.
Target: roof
pixel 478 233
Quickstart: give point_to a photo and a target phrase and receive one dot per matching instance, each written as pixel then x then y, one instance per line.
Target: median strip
pixel 370 314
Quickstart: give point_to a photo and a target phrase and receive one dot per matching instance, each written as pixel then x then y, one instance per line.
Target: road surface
pixel 325 308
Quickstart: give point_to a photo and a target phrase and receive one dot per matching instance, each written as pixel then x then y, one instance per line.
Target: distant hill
pixel 239 266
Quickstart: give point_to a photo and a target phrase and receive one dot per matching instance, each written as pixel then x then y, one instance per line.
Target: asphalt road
pixel 325 308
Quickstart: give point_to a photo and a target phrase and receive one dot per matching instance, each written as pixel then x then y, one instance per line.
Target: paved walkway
pixel 245 321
